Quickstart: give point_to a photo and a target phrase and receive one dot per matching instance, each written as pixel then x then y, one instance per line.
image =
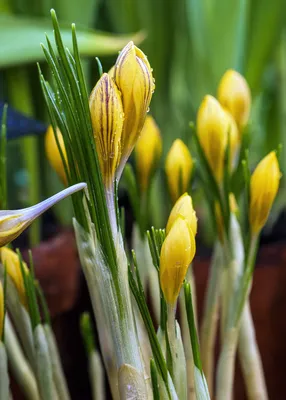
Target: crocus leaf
pixel 20 40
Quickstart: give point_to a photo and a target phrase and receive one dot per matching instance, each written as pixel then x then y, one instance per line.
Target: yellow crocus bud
pixel 1 310
pixel 133 77
pixel 148 150
pixel 178 167
pixel 14 222
pixel 107 122
pixel 212 129
pixel 234 94
pixel 53 153
pixel 183 208
pixel 264 185
pixel 177 253
pixel 10 260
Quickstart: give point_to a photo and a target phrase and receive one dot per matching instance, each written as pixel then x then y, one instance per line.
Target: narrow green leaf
pixel 200 382
pixel 138 293
pixel 154 380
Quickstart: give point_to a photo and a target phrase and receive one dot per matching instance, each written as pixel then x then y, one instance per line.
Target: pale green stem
pixel 177 354
pixel 4 377
pixel 148 273
pixel 58 373
pixel 115 302
pixel 186 334
pixel 44 365
pixel 210 316
pixel 226 364
pixel 188 349
pixel 96 376
pixel 21 319
pixel 20 368
pixel 250 359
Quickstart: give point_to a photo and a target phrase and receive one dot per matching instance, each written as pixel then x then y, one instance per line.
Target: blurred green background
pixel 189 43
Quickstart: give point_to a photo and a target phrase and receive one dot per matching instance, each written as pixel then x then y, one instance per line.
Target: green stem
pixel 58 373
pixel 4 377
pixel 225 372
pixel 21 98
pixel 179 367
pixel 20 368
pixel 250 359
pixel 44 365
pixel 96 374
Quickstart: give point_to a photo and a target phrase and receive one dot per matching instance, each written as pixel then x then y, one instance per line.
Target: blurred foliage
pixel 190 44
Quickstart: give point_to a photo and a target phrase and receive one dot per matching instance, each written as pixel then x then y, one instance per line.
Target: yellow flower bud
pixel 178 167
pixel 14 222
pixel 183 208
pixel 10 260
pixel 212 129
pixel 177 253
pixel 234 94
pixel 107 122
pixel 264 185
pixel 53 153
pixel 133 77
pixel 1 310
pixel 148 150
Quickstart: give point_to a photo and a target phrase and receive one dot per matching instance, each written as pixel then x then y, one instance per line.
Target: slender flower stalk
pixel 44 365
pixel 19 365
pixel 211 315
pixel 4 377
pixel 57 369
pixel 250 359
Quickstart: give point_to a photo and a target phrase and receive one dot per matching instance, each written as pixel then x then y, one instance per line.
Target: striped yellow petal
pixel 107 122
